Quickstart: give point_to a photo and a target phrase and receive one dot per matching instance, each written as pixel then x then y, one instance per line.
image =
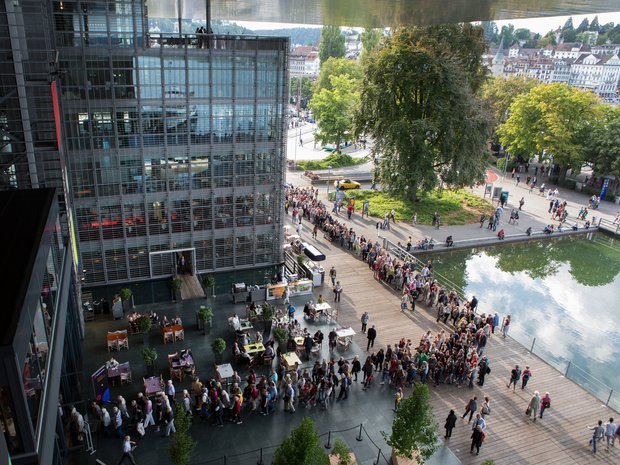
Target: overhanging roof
pixel 376 13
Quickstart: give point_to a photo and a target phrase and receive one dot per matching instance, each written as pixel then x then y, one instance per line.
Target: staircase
pixel 191 287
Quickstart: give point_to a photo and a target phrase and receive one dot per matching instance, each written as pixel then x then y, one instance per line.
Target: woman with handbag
pixel 533 406
pixel 545 403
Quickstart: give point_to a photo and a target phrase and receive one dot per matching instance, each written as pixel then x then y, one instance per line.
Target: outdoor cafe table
pixel 245 326
pixel 345 332
pixel 152 385
pixel 290 360
pixel 254 348
pixel 224 372
pixel 322 308
pixel 187 361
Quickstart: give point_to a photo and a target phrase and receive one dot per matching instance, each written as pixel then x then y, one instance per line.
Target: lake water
pixel 563 292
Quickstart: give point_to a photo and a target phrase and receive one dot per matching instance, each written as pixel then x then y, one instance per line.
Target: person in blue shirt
pixel 291 311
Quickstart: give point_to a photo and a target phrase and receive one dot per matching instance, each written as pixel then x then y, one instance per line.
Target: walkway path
pixel 561 437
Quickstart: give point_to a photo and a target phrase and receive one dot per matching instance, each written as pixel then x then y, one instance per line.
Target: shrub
pixel 303 447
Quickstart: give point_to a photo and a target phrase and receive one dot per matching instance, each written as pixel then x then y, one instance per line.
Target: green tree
pixel 303 447
pixel 182 444
pixel 508 33
pixel 570 35
pixel 568 24
pixel 370 40
pixel 331 43
pixel 490 32
pixel 584 26
pixel 594 25
pixel 336 67
pixel 548 39
pixel 414 430
pixel 522 34
pixel 603 146
pixel 554 122
pixel 306 90
pixel 499 93
pixel 334 110
pixel 418 105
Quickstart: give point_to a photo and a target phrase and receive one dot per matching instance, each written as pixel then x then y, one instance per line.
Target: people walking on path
pixel 476 439
pixel 486 407
pixel 533 406
pixel 372 334
pixel 337 291
pixel 471 407
pixel 598 432
pixel 515 375
pixel 525 377
pixel 610 431
pixel 545 403
pixel 506 326
pixel 332 275
pixel 128 447
pixel 364 320
pixel 398 397
pixel 450 424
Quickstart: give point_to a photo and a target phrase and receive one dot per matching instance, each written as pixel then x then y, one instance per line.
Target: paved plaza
pixel 560 438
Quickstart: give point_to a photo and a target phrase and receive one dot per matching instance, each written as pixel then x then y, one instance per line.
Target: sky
pixel 540 25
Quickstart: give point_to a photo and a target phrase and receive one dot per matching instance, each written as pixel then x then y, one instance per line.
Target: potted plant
pixel 414 430
pixel 218 346
pixel 205 315
pixel 175 285
pixel 300 261
pixel 302 447
pixel 182 444
pixel 341 454
pixel 208 282
pixel 127 295
pixel 145 325
pixel 150 355
pixel 281 337
pixel 269 311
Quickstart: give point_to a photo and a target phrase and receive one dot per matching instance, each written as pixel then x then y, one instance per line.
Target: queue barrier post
pixel 329 438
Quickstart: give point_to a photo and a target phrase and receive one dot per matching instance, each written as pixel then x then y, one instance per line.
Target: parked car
pixel 346 184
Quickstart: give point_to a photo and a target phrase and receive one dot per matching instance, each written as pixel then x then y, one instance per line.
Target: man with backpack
pixel 515 375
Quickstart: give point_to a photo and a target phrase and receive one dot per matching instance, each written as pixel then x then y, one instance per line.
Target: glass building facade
pixel 172 142
pixel 161 143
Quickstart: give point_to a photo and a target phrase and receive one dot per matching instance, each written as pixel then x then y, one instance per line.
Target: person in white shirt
pixel 148 413
pixel 128 446
pixel 610 430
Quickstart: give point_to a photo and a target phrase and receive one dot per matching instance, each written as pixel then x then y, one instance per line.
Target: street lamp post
pixel 329 175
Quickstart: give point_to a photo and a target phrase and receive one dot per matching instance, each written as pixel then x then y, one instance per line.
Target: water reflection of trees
pixel 592 262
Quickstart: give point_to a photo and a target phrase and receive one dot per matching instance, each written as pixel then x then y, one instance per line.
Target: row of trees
pixel 555 122
pixel 422 95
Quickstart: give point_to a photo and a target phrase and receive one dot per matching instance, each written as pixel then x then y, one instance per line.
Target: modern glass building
pixel 170 144
pixel 42 328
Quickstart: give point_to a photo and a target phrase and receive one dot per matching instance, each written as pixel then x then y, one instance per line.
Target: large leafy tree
pixel 603 147
pixel 370 40
pixel 337 67
pixel 500 92
pixel 553 121
pixel 334 109
pixel 331 43
pixel 303 447
pixel 414 430
pixel 419 107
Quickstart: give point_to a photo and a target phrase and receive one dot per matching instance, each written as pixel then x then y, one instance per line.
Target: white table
pixel 345 332
pixel 322 308
pixel 225 370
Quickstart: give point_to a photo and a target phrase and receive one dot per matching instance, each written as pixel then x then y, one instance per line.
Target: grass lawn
pixel 454 206
pixel 333 159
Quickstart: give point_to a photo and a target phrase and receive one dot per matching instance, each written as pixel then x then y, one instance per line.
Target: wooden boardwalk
pixel 559 438
pixel 191 287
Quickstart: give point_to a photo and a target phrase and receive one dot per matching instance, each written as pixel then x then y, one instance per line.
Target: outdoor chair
pixel 179 335
pixel 177 373
pixel 123 343
pixel 168 336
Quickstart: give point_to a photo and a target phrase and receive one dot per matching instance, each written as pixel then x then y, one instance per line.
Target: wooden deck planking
pixel 559 437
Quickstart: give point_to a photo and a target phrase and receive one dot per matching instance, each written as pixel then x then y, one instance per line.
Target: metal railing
pixel 575 373
pixel 609 226
pixel 354 435
pixel 568 368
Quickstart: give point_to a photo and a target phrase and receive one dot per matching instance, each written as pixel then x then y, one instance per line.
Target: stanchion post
pixel 609 398
pixel 329 439
pixel 260 458
pixel 532 348
pixel 378 458
pixel 567 368
pixel 359 437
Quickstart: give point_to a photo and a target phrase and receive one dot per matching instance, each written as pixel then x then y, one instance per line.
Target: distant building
pixel 304 61
pixel 595 68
